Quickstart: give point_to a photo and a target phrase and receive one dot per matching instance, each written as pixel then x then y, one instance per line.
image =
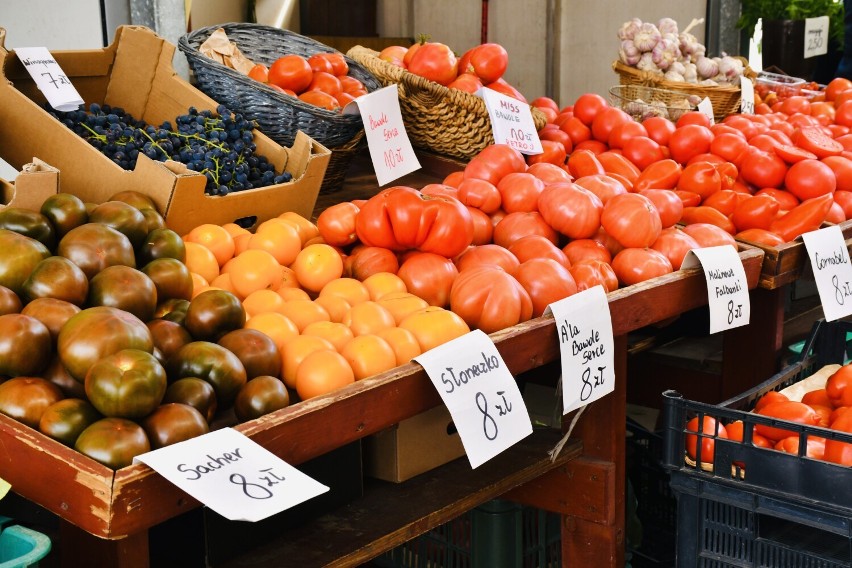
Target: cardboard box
pixel 36 182
pixel 414 446
pixel 135 72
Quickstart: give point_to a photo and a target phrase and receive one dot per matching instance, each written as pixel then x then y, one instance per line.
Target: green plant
pixel 753 10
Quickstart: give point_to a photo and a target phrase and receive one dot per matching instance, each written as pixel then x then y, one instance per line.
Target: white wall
pixel 55 24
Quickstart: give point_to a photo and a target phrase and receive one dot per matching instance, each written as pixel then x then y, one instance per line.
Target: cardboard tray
pixel 36 182
pixel 135 72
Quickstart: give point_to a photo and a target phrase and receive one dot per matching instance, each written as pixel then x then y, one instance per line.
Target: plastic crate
pixel 756 507
pixel 21 547
pixel 494 535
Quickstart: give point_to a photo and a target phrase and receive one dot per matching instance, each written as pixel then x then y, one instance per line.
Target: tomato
pixel 25 345
pixel 710 430
pixel 553 153
pixel 632 220
pixel 113 442
pixel 623 132
pixel 546 281
pixel 814 140
pixel 728 146
pixel 212 363
pixel 291 72
pixel 21 254
pixel 701 178
pixel 501 86
pixel 429 276
pixel 837 384
pixel 634 265
pixel 643 151
pixel 483 229
pixel 659 129
pixel 581 249
pixel 709 235
pixel 490 299
pixel 65 211
pixel 65 419
pixel 175 422
pixel 537 246
pixel 513 226
pixel 545 102
pixel 213 313
pixel 602 185
pixel 844 200
pixel 401 218
pixel 255 350
pixel 810 178
pixel 755 212
pixel 785 199
pixel 836 214
pixel 725 201
pixel 674 244
pixel 792 154
pixel 606 120
pixel 27 398
pixel 805 217
pixel 571 210
pixel 607 240
pixel 818 397
pixel 519 191
pixel 836 86
pixel 583 163
pixel 494 162
pixel 336 224
pixel 576 130
pixel 668 204
pixel 763 169
pixel 835 450
pixel 593 146
pixel 842 168
pixel 791 411
pixel 587 106
pixel 815 447
pixel 591 272
pixel 488 61
pixel 703 214
pixel 126 288
pixel 693 117
pixel 122 217
pixel 366 261
pixel 260 396
pixel 481 194
pixel 492 254
pixel 614 163
pixel 435 62
pixel 554 135
pixel 688 141
pixel 549 173
pixel 94 246
pixel 127 384
pixel 663 174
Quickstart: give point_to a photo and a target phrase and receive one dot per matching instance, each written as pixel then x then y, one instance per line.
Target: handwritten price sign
pixel 727 288
pixel 390 148
pixel 511 122
pixel 746 95
pixel 234 476
pixel 816 36
pixel 586 346
pixel 832 270
pixel 480 393
pixel 49 77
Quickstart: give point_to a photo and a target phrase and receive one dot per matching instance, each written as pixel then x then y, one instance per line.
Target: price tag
pixel 511 122
pixel 49 78
pixel 832 271
pixel 727 287
pixel 746 95
pixel 233 475
pixel 5 486
pixel 390 148
pixel 480 393
pixel 706 108
pixel 816 36
pixel 586 346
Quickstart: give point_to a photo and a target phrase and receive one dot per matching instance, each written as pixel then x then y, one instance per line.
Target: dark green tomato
pixel 65 211
pixel 171 277
pixel 97 332
pixel 10 303
pixel 173 309
pixel 122 217
pixel 25 345
pixel 195 392
pixel 30 223
pixel 138 200
pixel 52 313
pixel 57 277
pixel 168 336
pixel 64 420
pixel 26 398
pixel 127 384
pixel 259 396
pixel 125 288
pixel 212 363
pixel 114 442
pixel 94 246
pixel 19 255
pixel 256 350
pixel 172 423
pixel 153 220
pixel 161 243
pixel 57 374
pixel 213 313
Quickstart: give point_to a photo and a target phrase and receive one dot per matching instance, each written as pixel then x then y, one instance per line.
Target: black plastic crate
pixel 756 507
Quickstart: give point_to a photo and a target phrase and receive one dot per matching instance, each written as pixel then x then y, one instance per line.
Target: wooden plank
pixel 391 514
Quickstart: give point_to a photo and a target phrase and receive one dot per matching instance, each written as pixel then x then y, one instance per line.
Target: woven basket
pixel 279 116
pixel 725 99
pixel 446 121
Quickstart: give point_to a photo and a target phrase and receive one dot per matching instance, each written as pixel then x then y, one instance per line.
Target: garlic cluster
pixel 675 56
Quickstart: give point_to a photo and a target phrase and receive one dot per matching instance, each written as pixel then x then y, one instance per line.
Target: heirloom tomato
pixel 514 226
pixel 590 272
pixel 212 363
pixel 26 398
pixel 634 265
pixel 571 210
pixel 490 299
pixel 127 384
pixel 114 442
pixel 492 254
pixel 494 162
pixel 429 276
pixel 25 345
pixel 434 61
pixel 336 224
pixel 175 422
pixel 632 220
pixel 546 281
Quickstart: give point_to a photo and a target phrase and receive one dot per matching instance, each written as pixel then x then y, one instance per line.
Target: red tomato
pixel 481 194
pixel 742 123
pixel 835 450
pixel 436 62
pixel 668 204
pixel 587 106
pixel 844 200
pixel 762 168
pixel 554 153
pixel 701 178
pixel 519 191
pixel 483 229
pixel 581 249
pixel 642 151
pixel 614 163
pixel 545 102
pixel 490 299
pixel 546 281
pixel 494 162
pixel 584 163
pixel 591 272
pixel 792 154
pixel 659 129
pixel 489 62
pixel 819 397
pixel 835 87
pixel 843 113
pixel 837 384
pixel 693 117
pixel 815 446
pixel 466 82
pixel 549 173
pixel 433 189
pixel 674 244
pixel 320 99
pixel 325 82
pixel 632 220
pixel 336 224
pixel 513 226
pixel 842 168
pixel 709 235
pixel 501 86
pixel 755 212
pixel 785 199
pixel 537 246
pixel 707 215
pixel 688 198
pixel 291 72
pixel 604 186
pixel 791 411
pixel 769 398
pixel 663 174
pixel 488 254
pixel 814 140
pixel 606 120
pixel 634 265
pixel 556 135
pixel 593 146
pixel 366 261
pixel 728 146
pixel 623 132
pixel 429 276
pixel 571 210
pixel 805 217
pixel 689 140
pixel 576 130
pixel 810 178
pixel 711 429
pixel 725 201
pixel 759 237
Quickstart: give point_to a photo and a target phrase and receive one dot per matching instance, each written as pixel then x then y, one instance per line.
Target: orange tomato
pixel 368 317
pixel 334 332
pixel 277 326
pixel 403 343
pixel 368 355
pixel 316 265
pixel 322 372
pixel 320 99
pixel 254 269
pixel 304 312
pixel 261 301
pixel 201 260
pixel 352 290
pixel 434 326
pixel 382 283
pixel 336 306
pixel 281 240
pixel 402 304
pixel 293 353
pixel 259 72
pixel 214 237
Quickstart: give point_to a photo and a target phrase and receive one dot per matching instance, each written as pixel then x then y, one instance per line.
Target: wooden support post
pixel 79 547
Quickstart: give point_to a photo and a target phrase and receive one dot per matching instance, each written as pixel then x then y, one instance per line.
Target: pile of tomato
pixel 322 79
pixel 826 407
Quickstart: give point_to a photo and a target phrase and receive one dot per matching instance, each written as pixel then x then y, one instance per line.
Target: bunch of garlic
pixel 674 55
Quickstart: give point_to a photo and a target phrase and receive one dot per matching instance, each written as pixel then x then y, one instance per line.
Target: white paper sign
pixel 390 148
pixel 511 122
pixel 49 78
pixel 727 286
pixel 705 107
pixel 816 36
pixel 233 475
pixel 832 270
pixel 746 95
pixel 480 393
pixel 5 486
pixel 587 348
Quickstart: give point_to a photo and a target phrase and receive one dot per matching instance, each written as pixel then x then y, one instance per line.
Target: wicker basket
pixel 279 116
pixel 642 102
pixel 446 121
pixel 725 99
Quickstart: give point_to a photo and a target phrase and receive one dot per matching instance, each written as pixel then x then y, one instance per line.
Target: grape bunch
pixel 219 146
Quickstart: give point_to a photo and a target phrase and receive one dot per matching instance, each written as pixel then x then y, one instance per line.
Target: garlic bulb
pixel 678 67
pixel 731 68
pixel 672 75
pixel 667 26
pixel 688 43
pixel 707 67
pixel 646 37
pixel 690 73
pixel 665 53
pixel 628 29
pixel 709 83
pixel 628 53
pixel 646 63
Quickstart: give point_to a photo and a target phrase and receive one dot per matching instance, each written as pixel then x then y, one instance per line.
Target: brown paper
pixel 219 48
